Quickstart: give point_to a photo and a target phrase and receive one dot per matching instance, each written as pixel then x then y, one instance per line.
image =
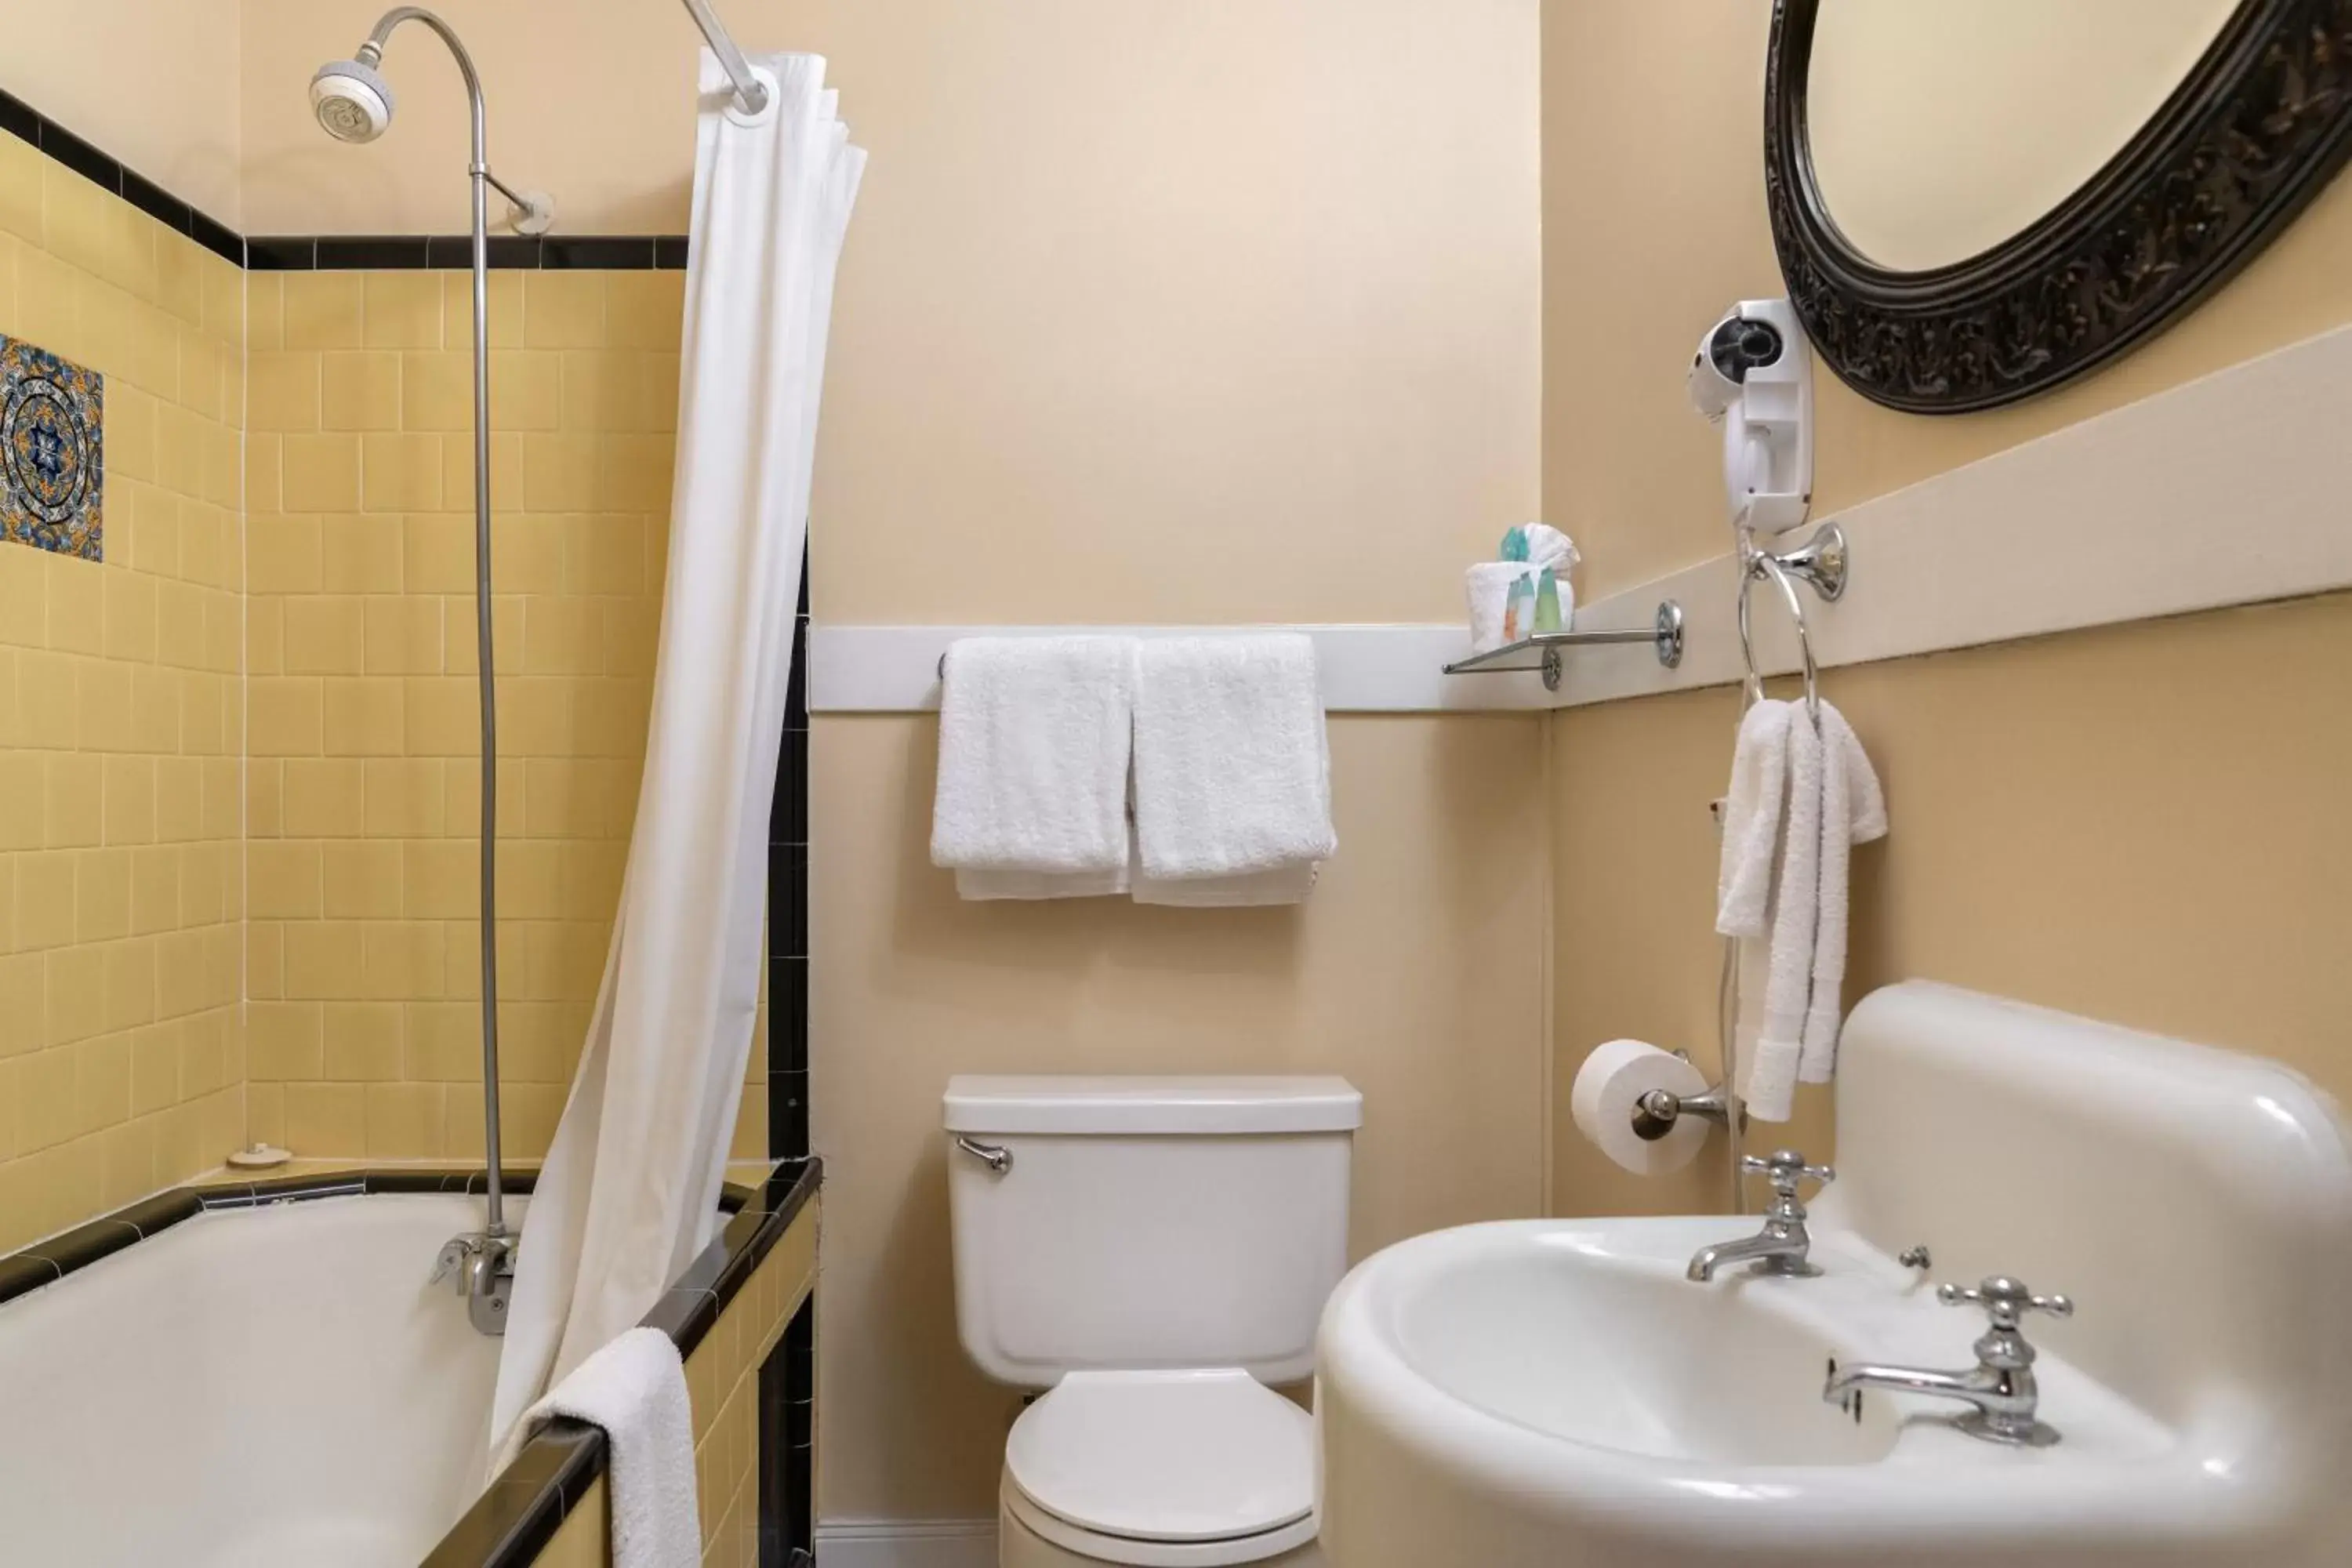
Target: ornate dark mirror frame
pixel 2226 163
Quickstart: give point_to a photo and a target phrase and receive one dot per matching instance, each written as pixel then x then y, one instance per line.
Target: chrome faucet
pixel 2002 1384
pixel 1781 1248
pixel 480 1268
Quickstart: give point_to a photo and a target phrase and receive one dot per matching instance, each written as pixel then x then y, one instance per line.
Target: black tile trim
pixel 371 253
pixel 304 253
pixel 26 123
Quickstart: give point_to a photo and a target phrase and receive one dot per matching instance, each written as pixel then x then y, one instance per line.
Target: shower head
pixel 352 102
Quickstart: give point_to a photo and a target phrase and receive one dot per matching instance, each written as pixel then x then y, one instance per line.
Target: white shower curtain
pixel 631 1184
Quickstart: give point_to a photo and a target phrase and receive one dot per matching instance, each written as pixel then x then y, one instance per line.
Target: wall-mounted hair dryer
pixel 1753 374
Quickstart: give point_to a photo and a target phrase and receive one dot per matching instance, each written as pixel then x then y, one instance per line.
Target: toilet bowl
pixel 1160 1470
pixel 1153 1254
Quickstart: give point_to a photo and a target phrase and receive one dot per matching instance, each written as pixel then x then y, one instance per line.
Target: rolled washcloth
pixel 1801 795
pixel 1035 739
pixel 1232 773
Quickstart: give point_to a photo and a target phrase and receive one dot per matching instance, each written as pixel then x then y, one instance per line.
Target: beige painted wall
pixel 2142 824
pixel 154 85
pixel 2135 823
pixel 1416 970
pixel 1145 313
pixel 1225 338
pixel 1654 222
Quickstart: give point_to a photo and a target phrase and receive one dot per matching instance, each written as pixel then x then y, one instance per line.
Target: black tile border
pixel 787 1390
pixel 328 253
pixel 520 1511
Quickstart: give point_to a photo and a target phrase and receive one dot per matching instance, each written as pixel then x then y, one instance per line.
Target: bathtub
pixel 263 1384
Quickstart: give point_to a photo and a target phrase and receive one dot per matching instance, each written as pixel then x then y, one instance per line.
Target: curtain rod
pixel 751 92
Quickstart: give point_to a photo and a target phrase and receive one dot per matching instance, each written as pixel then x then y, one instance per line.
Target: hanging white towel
pixel 1233 771
pixel 1034 737
pixel 1802 794
pixel 1853 811
pixel 635 1388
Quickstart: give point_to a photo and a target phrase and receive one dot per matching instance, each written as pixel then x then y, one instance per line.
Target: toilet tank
pixel 1147 1223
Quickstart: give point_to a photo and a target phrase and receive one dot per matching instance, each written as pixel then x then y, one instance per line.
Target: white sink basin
pixel 1557 1393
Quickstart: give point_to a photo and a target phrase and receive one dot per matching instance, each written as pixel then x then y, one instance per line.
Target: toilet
pixel 1152 1255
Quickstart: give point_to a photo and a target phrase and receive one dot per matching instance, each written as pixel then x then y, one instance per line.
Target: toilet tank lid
pixel 1116 1104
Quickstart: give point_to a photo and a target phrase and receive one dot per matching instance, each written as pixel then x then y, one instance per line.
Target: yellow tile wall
pixel 364 798
pixel 584 1538
pixel 122 1051
pixel 237 884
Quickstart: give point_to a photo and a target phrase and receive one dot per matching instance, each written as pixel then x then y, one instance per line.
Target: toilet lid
pixel 1165 1455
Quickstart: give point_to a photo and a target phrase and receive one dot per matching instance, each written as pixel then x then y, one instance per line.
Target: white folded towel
pixel 635 1388
pixel 981 887
pixel 1284 885
pixel 1232 773
pixel 1034 739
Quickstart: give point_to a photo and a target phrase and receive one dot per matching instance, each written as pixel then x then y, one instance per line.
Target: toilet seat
pixel 1181 1467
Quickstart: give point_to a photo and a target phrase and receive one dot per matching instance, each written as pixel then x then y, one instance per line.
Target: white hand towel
pixel 1853 811
pixel 635 1388
pixel 1034 739
pixel 1232 774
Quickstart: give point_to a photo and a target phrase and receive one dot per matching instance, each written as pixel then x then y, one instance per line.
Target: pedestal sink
pixel 1557 1393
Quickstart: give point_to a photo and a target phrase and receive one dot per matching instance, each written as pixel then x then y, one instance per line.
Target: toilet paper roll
pixel 1611 1078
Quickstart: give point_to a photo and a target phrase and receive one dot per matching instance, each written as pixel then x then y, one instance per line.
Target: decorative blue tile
pixel 52 451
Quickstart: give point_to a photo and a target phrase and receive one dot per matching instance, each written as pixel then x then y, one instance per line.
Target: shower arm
pixel 370 54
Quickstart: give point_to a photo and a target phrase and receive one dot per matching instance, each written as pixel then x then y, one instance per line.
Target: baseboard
pixel 906 1544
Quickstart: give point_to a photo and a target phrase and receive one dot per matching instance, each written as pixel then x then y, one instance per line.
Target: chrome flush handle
pixel 994 1156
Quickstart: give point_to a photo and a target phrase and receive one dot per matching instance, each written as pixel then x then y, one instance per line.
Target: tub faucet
pixel 479 1265
pixel 1781 1246
pixel 2001 1386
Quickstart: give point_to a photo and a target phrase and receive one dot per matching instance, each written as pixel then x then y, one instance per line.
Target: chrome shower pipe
pixel 478 169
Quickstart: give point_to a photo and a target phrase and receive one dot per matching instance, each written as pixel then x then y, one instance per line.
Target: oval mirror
pixel 1974 200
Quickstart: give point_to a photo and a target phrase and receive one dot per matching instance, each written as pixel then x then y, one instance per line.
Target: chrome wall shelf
pixel 1541 652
